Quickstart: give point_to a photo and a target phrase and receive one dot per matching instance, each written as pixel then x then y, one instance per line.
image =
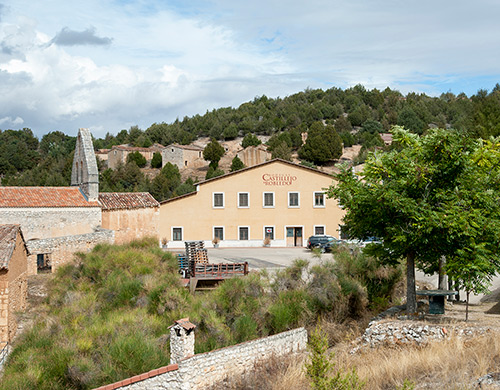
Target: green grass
pixel 106 316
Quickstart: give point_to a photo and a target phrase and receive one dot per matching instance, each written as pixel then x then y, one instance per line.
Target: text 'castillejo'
pixel 278 179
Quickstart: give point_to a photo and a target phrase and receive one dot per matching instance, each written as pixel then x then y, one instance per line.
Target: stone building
pixel 119 153
pixel 130 214
pixel 13 279
pixel 183 156
pixel 253 155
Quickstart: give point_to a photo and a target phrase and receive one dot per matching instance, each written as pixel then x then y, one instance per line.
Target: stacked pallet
pixel 195 254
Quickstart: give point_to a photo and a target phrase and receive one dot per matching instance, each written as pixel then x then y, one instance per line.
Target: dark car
pixel 327 247
pixel 317 241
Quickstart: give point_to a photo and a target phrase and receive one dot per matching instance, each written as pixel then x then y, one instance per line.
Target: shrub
pixel 156 161
pixel 138 158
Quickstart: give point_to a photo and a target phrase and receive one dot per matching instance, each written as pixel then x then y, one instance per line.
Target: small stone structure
pixel 119 153
pixel 183 156
pixel 13 279
pixel 207 369
pixel 181 340
pixel 253 155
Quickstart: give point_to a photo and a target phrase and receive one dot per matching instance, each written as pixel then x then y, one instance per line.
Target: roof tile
pixel 43 197
pixel 126 200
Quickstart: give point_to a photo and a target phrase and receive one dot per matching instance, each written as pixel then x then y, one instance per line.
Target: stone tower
pixel 181 340
pixel 85 173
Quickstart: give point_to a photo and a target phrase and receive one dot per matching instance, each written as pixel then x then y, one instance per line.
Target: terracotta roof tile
pixel 8 235
pixel 126 200
pixel 43 197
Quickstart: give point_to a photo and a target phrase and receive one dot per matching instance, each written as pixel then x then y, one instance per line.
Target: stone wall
pixel 61 249
pixel 131 224
pixel 206 369
pixel 41 223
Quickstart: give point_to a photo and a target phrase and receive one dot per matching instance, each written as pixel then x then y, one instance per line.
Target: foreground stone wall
pixel 206 369
pixel 61 249
pixel 40 223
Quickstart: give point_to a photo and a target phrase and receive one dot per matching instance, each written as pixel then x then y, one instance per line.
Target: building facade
pixel 254 155
pixel 183 156
pixel 278 200
pixel 131 215
pixel 119 153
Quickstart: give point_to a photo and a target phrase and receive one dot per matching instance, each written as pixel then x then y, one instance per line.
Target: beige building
pixel 131 215
pixel 254 155
pixel 277 199
pixel 13 279
pixel 183 156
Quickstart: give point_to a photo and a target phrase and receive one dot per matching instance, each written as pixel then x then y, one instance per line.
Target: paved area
pixel 274 258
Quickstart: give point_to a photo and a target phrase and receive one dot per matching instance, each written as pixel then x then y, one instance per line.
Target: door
pixel 293 236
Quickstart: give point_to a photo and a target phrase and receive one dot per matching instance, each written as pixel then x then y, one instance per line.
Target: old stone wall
pixel 173 155
pixel 132 224
pixel 61 249
pixel 206 369
pixel 18 292
pixel 4 306
pixel 40 223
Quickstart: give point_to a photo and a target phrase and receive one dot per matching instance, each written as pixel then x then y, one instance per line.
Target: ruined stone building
pixel 13 279
pixel 59 221
pixel 183 156
pixel 253 155
pixel 119 153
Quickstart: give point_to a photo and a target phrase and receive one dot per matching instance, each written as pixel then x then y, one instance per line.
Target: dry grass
pixel 452 364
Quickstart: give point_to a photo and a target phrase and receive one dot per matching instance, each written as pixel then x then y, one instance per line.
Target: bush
pixel 138 158
pixel 156 161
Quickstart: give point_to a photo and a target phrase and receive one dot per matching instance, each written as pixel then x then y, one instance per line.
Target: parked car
pixel 327 247
pixel 317 241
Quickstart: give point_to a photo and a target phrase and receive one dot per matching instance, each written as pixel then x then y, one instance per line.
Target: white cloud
pixel 165 63
pixel 17 121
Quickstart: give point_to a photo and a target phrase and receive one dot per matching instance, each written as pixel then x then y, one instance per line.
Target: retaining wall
pixel 206 369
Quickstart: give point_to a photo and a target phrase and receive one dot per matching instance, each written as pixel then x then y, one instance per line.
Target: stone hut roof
pixel 185 323
pixel 126 200
pixel 43 197
pixel 8 235
pixel 187 147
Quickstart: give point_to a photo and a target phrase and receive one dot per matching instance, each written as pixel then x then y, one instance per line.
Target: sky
pixel 111 64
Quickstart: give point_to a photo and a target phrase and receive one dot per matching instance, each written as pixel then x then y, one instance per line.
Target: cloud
pixel 16 121
pixel 67 37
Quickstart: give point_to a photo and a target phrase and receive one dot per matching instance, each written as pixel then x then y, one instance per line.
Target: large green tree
pixel 323 144
pixel 432 196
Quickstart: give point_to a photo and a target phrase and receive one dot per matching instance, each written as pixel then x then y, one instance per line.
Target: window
pixel 219 233
pixel 319 230
pixel 243 199
pixel 43 263
pixel 293 199
pixel 319 199
pixel 218 200
pixel 269 232
pixel 185 163
pixel 243 232
pixel 176 234
pixel 268 199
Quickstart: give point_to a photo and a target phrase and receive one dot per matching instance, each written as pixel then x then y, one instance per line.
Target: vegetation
pixel 236 164
pixel 213 152
pixel 106 316
pixel 156 161
pixel 323 144
pixel 250 140
pixel 432 196
pixel 138 158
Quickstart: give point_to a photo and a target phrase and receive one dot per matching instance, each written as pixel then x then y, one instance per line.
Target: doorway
pixel 294 236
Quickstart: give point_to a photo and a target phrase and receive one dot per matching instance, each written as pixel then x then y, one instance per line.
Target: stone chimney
pixel 181 340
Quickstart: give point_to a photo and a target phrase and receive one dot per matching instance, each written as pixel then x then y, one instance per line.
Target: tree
pixel 250 140
pixel 138 158
pixel 323 144
pixel 283 151
pixel 156 161
pixel 237 164
pixel 213 152
pixel 213 172
pixel 432 196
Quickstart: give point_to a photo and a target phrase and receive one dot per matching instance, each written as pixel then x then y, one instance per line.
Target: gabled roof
pixel 43 197
pixel 239 172
pixel 8 236
pixel 126 200
pixel 187 147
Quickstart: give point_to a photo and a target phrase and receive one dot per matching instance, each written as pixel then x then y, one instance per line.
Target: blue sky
pixel 108 65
